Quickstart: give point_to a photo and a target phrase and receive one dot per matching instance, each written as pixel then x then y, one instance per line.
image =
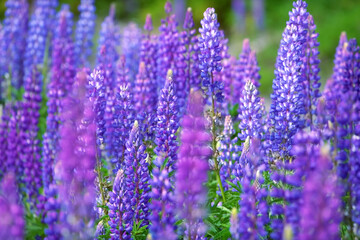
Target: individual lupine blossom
pixel 62 75
pixel 246 68
pixel 12 225
pixel 137 180
pixel 74 169
pixel 192 167
pixel 147 70
pixel 167 124
pixel 240 13
pixel 250 113
pixel 130 45
pixel 210 59
pixel 84 34
pixel 228 152
pixel 306 152
pixel 287 106
pixel 167 48
pixel 97 95
pixel 162 203
pixel 4 122
pixel 30 152
pixel 39 27
pixel 320 210
pixel 124 114
pixel 311 71
pixel 14 39
pixel 258 10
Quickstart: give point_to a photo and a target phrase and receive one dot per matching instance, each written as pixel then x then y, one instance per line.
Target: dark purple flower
pixel 210 58
pixel 62 77
pixel 167 51
pixel 250 113
pixel 320 211
pixel 84 34
pixel 40 25
pixel 287 106
pixel 258 10
pixel 147 70
pixel 4 131
pixel 12 224
pixel 167 124
pixel 192 167
pixel 311 71
pixel 74 169
pixel 130 45
pixel 240 13
pixel 228 152
pixel 162 203
pixel 14 39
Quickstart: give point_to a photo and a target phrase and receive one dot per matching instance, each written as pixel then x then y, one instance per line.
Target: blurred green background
pixel 331 17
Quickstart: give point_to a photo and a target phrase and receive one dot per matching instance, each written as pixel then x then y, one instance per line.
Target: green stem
pixel 101 183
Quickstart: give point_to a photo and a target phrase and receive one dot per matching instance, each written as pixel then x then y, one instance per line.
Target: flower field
pixel 162 134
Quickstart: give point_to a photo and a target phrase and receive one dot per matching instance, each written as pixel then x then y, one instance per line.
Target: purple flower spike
pixel 186 70
pixel 14 39
pixel 228 152
pixel 117 206
pixel 192 167
pixel 137 177
pixel 306 151
pixel 210 59
pixel 320 211
pixel 147 70
pixel 168 7
pixel 311 71
pixel 30 152
pixel 85 29
pixel 162 203
pixel 130 45
pixel 4 127
pixel 148 23
pixel 40 24
pixel 167 124
pixel 168 42
pixel 62 77
pixel 251 113
pixel 123 116
pixel 144 97
pixel 12 225
pixel 74 169
pixel 287 107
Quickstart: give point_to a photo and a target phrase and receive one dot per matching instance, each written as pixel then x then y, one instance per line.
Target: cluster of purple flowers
pixel 167 137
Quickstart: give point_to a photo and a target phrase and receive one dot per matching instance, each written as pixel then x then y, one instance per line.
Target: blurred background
pixel 262 21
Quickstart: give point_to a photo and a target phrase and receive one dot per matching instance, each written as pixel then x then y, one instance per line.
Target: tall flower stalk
pixel 210 61
pixel 192 168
